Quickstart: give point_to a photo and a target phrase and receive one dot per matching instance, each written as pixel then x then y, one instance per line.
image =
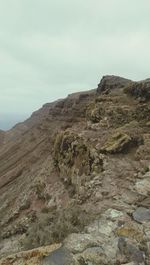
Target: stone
pixel 141 215
pixel 94 255
pixel 131 230
pixel 106 228
pixel 60 256
pixel 143 186
pixel 132 197
pixel 113 214
pixel 107 224
pixel 147 231
pixel 148 247
pixel 129 252
pixel 110 248
pixel 79 242
pixel 144 203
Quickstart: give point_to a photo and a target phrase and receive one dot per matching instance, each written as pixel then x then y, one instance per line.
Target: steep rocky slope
pixel 78 172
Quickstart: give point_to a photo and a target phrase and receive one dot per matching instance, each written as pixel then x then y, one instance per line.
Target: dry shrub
pixel 53 227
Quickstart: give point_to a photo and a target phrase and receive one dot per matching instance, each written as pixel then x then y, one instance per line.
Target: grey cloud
pixel 51 48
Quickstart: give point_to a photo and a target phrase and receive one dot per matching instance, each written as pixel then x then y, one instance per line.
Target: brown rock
pixel 109 82
pixel 119 142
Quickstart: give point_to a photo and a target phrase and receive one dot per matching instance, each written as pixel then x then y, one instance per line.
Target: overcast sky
pixel 49 48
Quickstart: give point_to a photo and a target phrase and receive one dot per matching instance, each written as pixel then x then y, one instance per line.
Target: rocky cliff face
pixel 77 173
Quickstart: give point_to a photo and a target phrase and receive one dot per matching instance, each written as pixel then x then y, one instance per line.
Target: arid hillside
pixel 77 173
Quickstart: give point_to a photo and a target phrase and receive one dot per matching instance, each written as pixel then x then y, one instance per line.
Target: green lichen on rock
pixel 95 112
pixel 117 143
pixel 67 147
pixel 124 137
pixel 74 158
pixel 131 230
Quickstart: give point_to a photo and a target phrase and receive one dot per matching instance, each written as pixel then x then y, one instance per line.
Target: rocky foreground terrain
pixel 75 180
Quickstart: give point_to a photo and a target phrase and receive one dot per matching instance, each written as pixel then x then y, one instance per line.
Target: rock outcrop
pixel 110 82
pixel 75 158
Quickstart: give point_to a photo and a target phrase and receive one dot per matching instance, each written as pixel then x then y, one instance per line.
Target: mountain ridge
pixel 72 161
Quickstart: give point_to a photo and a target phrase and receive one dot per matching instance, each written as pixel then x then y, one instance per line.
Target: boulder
pixel 128 251
pixel 77 243
pixel 141 215
pixel 117 143
pixel 93 255
pixel 131 230
pixel 60 256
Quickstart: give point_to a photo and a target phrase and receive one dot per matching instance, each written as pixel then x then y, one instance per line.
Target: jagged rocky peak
pixel 109 82
pixel 137 89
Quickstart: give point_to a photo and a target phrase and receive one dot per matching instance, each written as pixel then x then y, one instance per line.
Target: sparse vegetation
pixel 53 227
